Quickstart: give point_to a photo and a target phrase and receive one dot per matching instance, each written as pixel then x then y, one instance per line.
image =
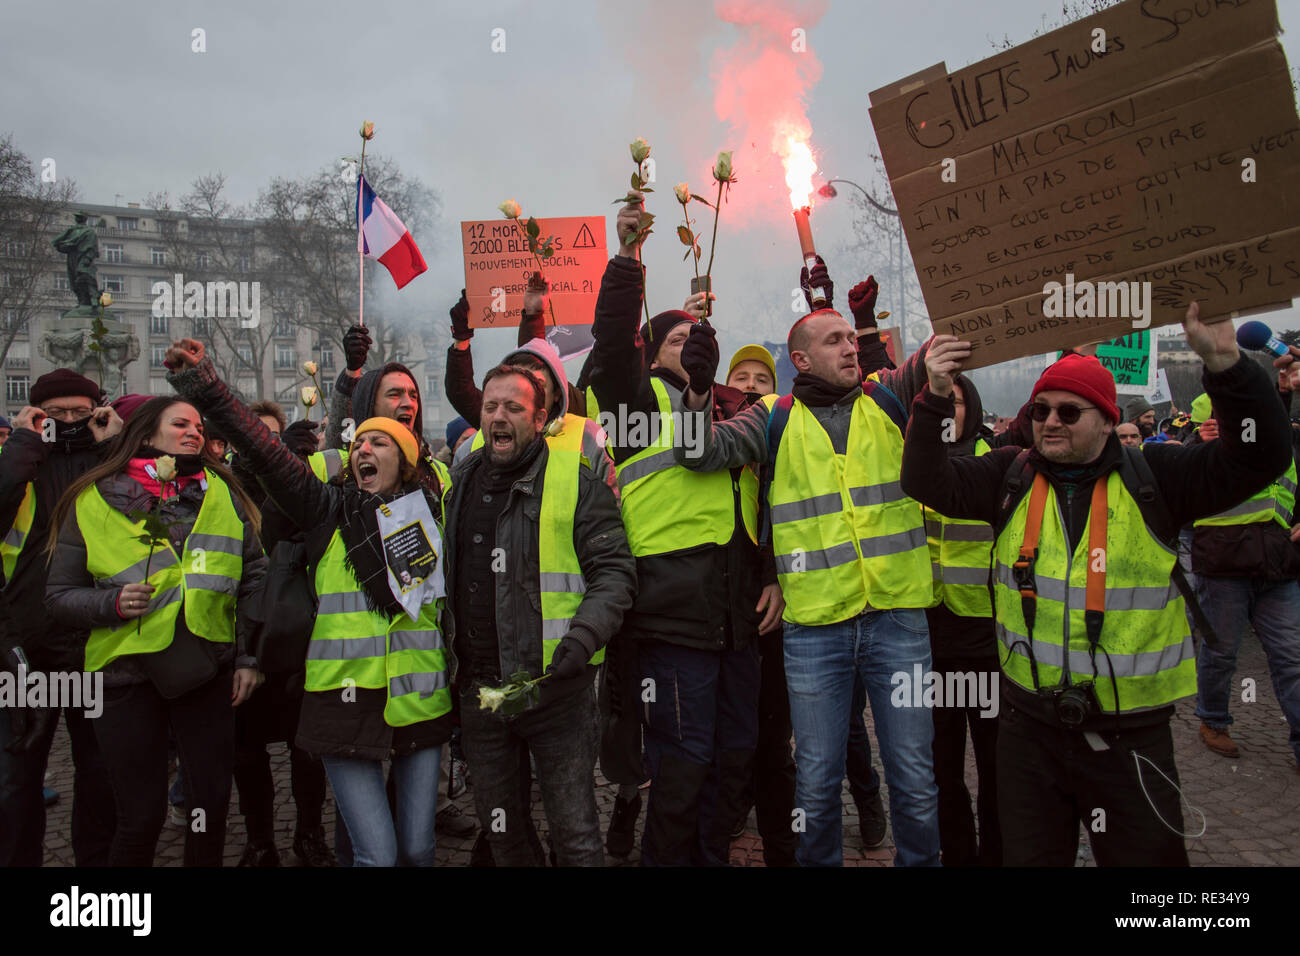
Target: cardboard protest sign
pixel 1142 157
pixel 498 263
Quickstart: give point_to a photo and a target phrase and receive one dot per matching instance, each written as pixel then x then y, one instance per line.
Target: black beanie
pixel 61 382
pixel 660 326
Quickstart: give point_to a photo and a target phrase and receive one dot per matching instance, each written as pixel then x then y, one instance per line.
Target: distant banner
pixel 1141 158
pixel 1131 359
pixel 570 340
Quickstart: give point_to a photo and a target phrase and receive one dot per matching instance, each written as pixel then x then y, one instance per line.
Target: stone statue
pixel 81 244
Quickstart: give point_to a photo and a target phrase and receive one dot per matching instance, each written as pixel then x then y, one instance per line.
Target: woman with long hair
pixel 376 664
pixel 155 551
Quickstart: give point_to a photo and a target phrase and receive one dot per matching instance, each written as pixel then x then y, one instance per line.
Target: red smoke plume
pixel 761 85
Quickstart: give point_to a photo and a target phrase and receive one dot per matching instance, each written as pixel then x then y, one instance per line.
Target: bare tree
pixel 209 238
pixel 29 209
pixel 310 227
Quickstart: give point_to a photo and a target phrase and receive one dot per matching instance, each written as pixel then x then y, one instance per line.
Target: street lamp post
pixel 830 192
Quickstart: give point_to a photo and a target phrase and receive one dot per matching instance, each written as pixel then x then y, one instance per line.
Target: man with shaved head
pixel 852 561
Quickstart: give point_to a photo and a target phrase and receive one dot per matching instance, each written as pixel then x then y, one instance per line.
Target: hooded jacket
pixel 355 399
pixel 467 398
pixel 593 445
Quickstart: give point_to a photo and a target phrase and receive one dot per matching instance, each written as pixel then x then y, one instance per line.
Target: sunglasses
pixel 1067 412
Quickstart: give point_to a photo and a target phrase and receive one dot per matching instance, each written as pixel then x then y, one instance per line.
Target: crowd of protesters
pixel 697 585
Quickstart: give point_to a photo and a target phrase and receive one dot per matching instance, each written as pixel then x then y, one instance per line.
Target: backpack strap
pixel 888 402
pixel 1015 485
pixel 777 419
pixel 1135 471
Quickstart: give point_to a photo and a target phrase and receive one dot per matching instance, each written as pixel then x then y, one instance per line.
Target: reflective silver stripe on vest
pixel 1287 483
pixel 333 459
pixel 134 574
pixel 341 602
pixel 215 542
pixel 423 684
pixel 161 599
pixel 592 449
pixel 220 583
pixel 346 648
pixel 1117 599
pixel 953 574
pixel 1256 506
pixel 559 582
pixel 1142 664
pixel 933 526
pixel 827 504
pixel 895 543
pixel 865 496
pixel 969 532
pixel 816 560
pixel 659 461
pixel 430 640
pixel 555 628
pixel 15 538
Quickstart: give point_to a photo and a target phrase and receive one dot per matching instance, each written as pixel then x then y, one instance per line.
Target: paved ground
pixel 1250 804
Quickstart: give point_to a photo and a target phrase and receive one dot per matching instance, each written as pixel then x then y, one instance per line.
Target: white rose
pixel 683 193
pixel 309 395
pixel 491 698
pixel 165 466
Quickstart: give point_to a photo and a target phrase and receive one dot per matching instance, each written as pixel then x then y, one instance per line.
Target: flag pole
pixel 361 256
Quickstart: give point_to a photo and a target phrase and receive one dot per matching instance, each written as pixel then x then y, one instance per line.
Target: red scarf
pixel 135 468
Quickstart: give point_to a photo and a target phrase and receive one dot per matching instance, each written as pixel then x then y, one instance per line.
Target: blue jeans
pixel 377 838
pixel 1232 605
pixel 864 782
pixel 821 664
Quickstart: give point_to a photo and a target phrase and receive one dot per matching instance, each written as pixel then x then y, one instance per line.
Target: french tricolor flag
pixel 382 236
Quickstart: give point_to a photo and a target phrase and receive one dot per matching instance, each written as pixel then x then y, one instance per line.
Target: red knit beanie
pixel 1084 376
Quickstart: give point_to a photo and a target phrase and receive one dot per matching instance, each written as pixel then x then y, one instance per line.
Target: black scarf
pixel 359 528
pixel 70 437
pixel 186 465
pixel 819 393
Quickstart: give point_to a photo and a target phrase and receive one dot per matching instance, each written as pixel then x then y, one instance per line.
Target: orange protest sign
pixel 498 263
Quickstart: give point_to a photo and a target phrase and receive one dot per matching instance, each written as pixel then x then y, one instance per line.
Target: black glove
pixel 862 301
pixel 700 358
pixel 569 661
pixel 819 279
pixel 460 330
pixel 301 438
pixel 356 343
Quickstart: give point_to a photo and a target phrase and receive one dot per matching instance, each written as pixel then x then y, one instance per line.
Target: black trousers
pixel 22 804
pixel 132 734
pixel 957 838
pixel 270 716
pixel 773 781
pixel 1050 779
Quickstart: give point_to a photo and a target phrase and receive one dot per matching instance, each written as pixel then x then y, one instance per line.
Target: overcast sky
pixel 114 93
